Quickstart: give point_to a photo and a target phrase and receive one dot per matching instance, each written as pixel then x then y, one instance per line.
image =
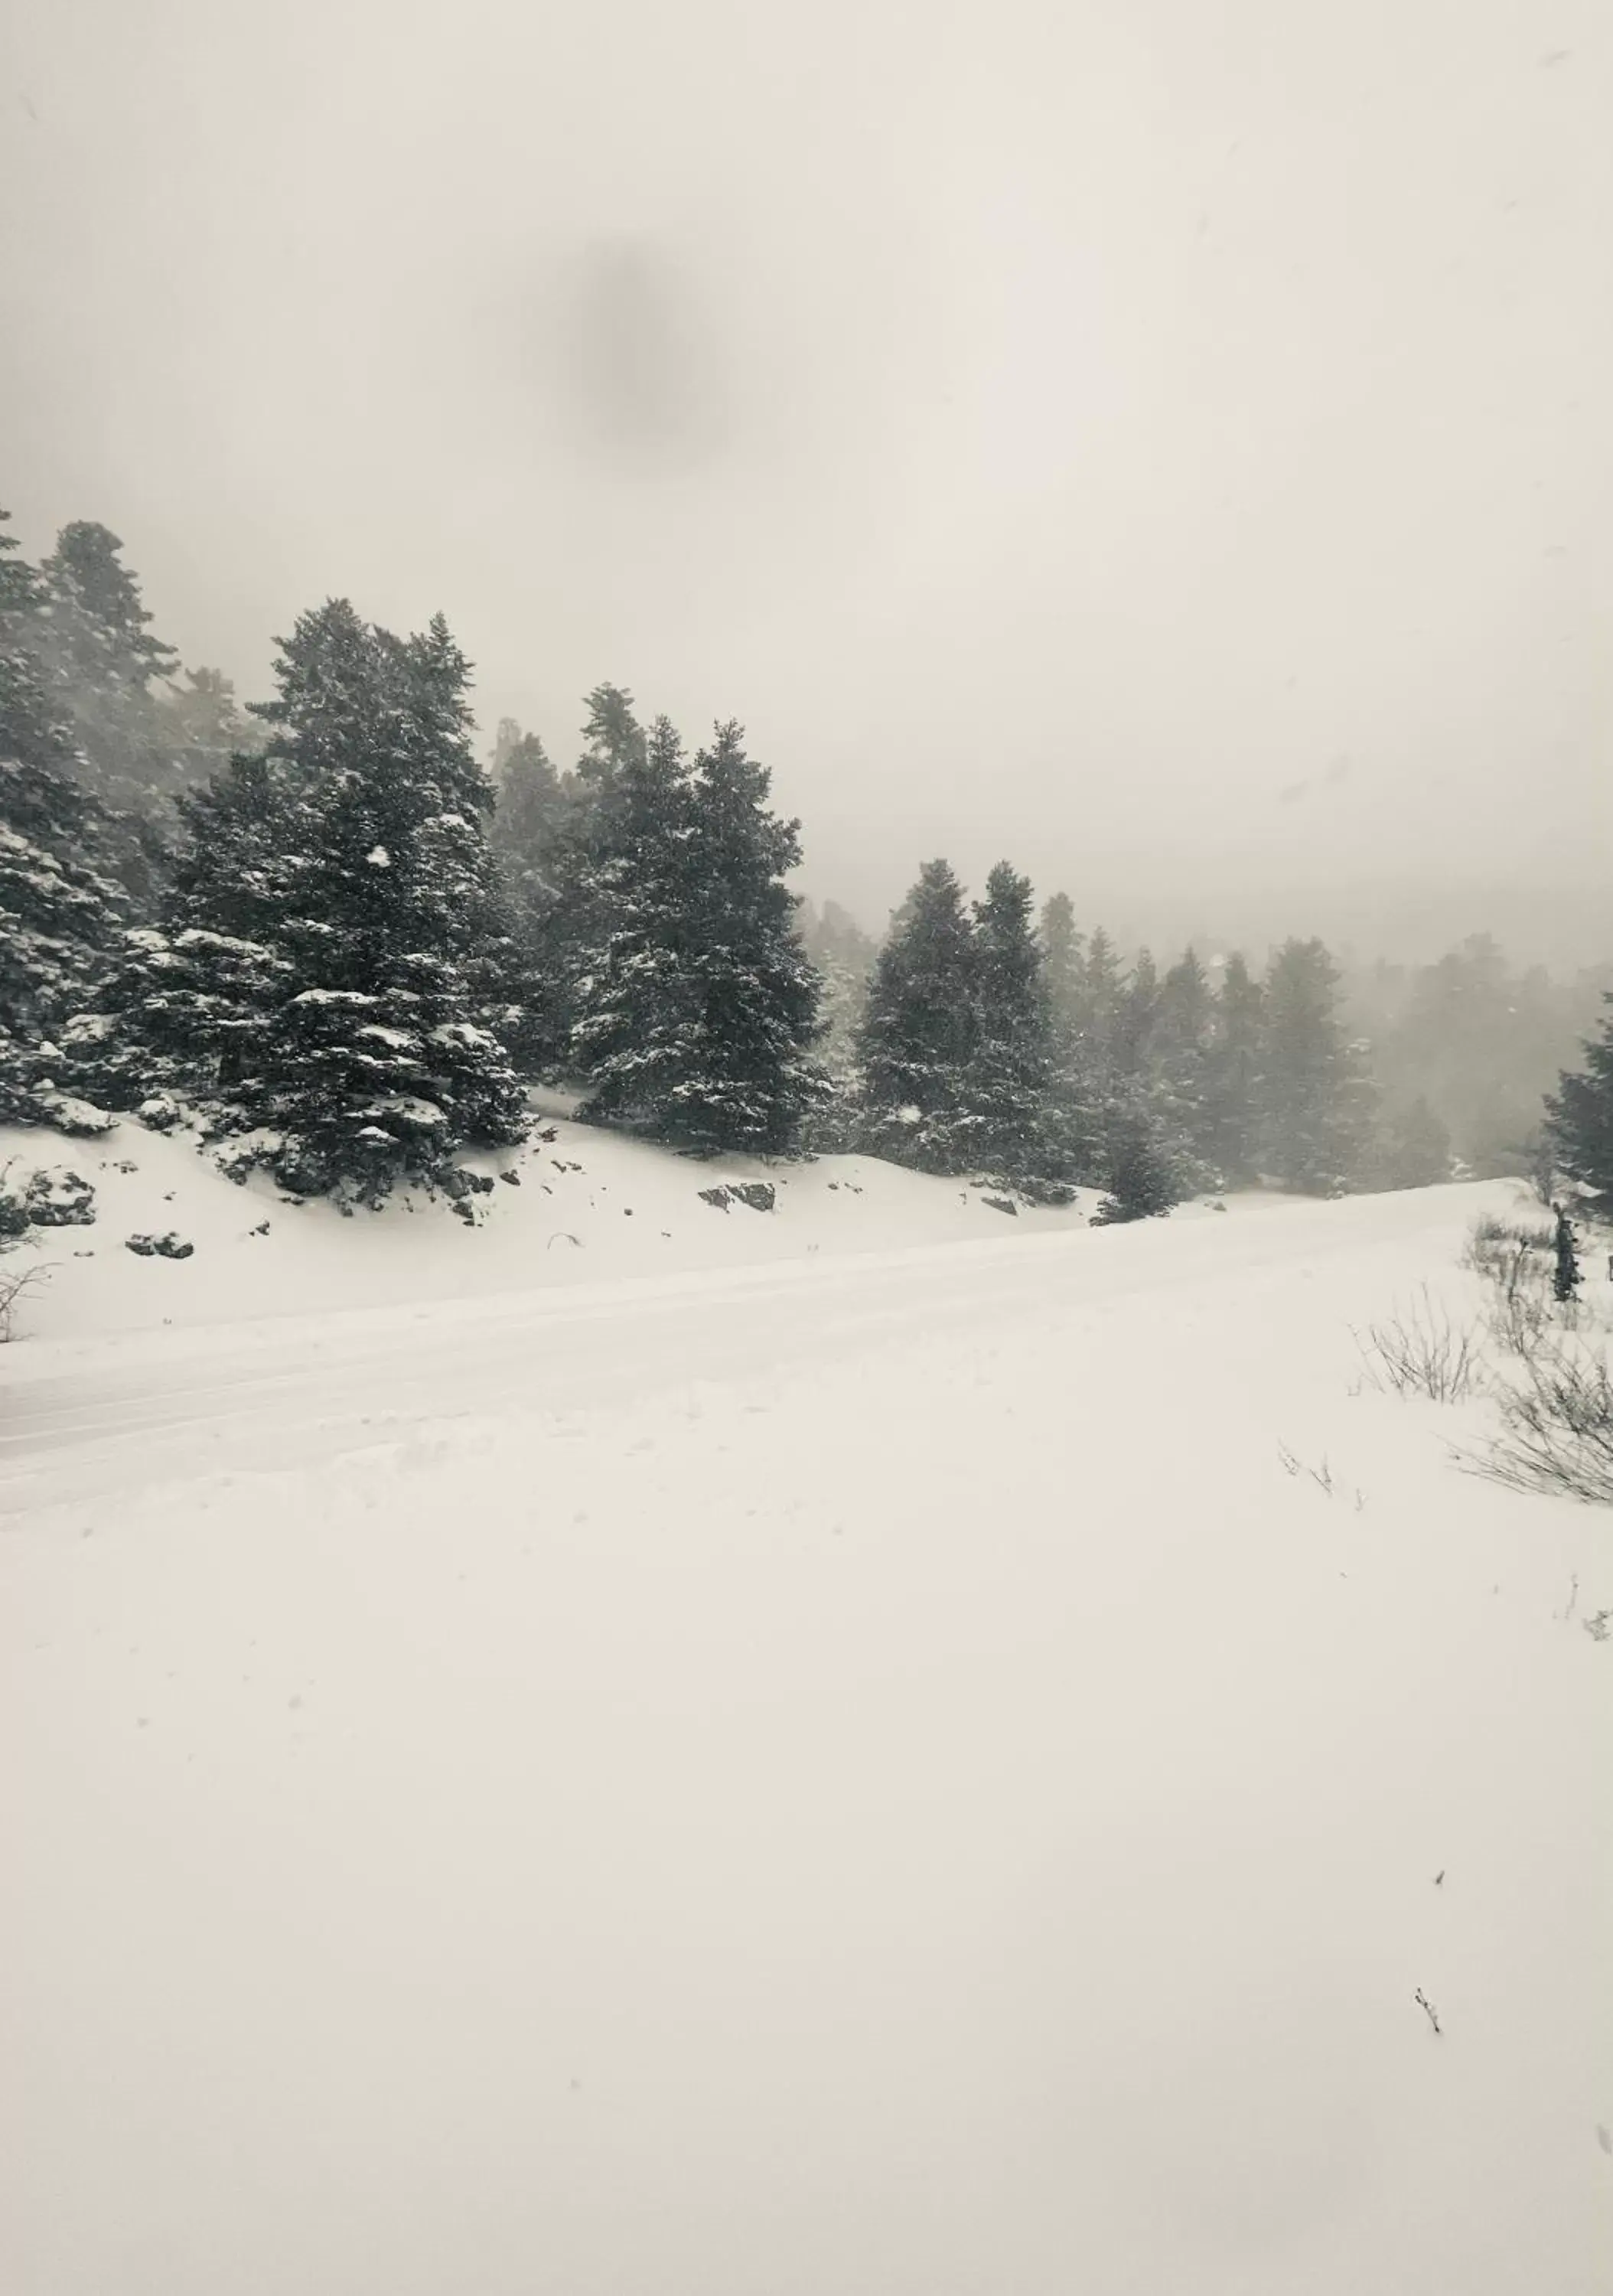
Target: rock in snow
pixel 160 1247
pixel 58 1198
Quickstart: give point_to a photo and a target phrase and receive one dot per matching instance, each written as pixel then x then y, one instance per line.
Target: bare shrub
pixel 1521 1315
pixel 14 1284
pixel 1420 1351
pixel 1557 1432
pixel 1503 1251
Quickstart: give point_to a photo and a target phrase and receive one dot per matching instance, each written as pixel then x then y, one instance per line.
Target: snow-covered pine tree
pixel 737 1072
pixel 1063 961
pixel 189 1009
pixel 61 908
pixel 530 803
pixel 1181 1064
pixel 139 739
pixel 1136 1012
pixel 528 827
pixel 916 1042
pixel 1100 999
pixel 586 834
pixel 1314 1094
pixel 1009 1072
pixel 1234 1083
pixel 107 674
pixel 106 627
pixel 634 1025
pixel 380 1062
pixel 1580 1114
pixel 1077 1083
pixel 843 955
pixel 333 900
pixel 1140 1176
pixel 21 591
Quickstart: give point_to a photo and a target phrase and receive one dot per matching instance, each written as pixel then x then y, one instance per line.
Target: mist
pixel 1170 450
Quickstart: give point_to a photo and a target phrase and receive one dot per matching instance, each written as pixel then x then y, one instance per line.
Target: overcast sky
pixel 1168 444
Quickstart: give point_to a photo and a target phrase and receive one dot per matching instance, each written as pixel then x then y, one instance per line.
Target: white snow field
pixel 835 1776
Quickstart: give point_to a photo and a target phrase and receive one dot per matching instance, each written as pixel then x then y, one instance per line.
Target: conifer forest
pixel 346 933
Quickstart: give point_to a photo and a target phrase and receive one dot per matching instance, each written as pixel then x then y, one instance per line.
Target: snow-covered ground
pixel 853 1773
pixel 583 1205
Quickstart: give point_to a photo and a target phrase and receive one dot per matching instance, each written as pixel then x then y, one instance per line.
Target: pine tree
pixel 753 1081
pixel 843 956
pixel 1142 1178
pixel 528 829
pixel 1009 1070
pixel 21 591
pixel 1414 1147
pixel 1136 1012
pixel 1183 1023
pixel 530 805
pixel 105 624
pixel 109 676
pixel 917 1039
pixel 633 1028
pixel 1234 1083
pixel 1063 962
pixel 138 740
pixel 1080 996
pixel 61 911
pixel 1313 1093
pixel 1102 998
pixel 1580 1114
pixel 191 1007
pixel 319 972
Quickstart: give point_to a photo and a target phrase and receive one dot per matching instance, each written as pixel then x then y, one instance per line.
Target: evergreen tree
pixel 595 814
pixel 1063 964
pixel 916 1043
pixel 61 911
pixel 1414 1147
pixel 1099 1008
pixel 1183 1024
pixel 1313 1092
pixel 319 972
pixel 1141 1177
pixel 530 804
pixel 1136 1011
pixel 528 832
pixel 613 739
pixel 105 626
pixel 208 728
pixel 109 676
pixel 1580 1114
pixel 21 591
pixel 843 956
pixel 1010 1067
pixel 696 1009
pixel 138 740
pixel 633 1031
pixel 1080 997
pixel 1234 1082
pixel 751 1082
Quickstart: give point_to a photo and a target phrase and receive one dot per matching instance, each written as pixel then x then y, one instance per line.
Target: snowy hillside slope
pixel 587 1204
pixel 825 1778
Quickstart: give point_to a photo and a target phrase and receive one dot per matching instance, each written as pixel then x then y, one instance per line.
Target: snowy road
pixel 78 1416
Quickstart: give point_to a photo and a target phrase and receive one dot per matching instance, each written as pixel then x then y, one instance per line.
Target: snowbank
pixel 575 1205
